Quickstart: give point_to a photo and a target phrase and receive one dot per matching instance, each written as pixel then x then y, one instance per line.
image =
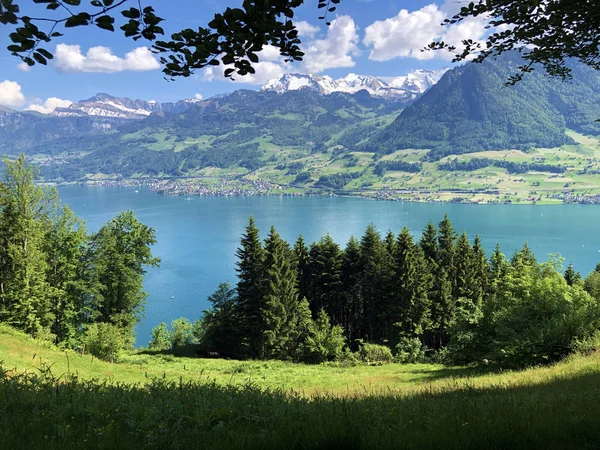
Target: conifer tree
pixel 390 243
pixel 481 271
pixel 372 287
pixel 572 277
pixel 24 302
pixel 250 289
pixel 429 244
pixel 442 309
pixel 325 262
pixel 351 320
pixel 302 266
pixel 523 257
pixel 413 281
pixel 446 241
pixel 498 265
pixel 280 311
pixel 463 270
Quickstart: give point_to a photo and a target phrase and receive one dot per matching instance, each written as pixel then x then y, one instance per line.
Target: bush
pixel 161 338
pixel 105 341
pixel 375 354
pixel 410 351
pixel 324 342
pixel 182 333
pixel 535 317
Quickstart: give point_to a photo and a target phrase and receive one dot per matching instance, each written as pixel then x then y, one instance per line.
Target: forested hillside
pixel 471 109
pixel 245 129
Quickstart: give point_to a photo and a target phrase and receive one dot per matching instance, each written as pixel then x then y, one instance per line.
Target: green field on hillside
pixel 580 179
pixel 54 399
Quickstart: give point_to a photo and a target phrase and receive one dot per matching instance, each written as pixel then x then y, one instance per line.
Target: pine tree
pixel 523 258
pixel 413 282
pixel 24 301
pixel 250 290
pixel 463 271
pixel 429 244
pixel 498 265
pixel 281 304
pixel 572 277
pixel 325 262
pixel 442 309
pixel 351 319
pixel 481 271
pixel 372 286
pixel 302 261
pixel 390 243
pixel 446 241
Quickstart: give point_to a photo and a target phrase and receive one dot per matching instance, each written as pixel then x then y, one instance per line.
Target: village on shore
pixel 234 187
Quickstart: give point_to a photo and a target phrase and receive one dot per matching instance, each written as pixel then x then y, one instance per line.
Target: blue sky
pixel 375 37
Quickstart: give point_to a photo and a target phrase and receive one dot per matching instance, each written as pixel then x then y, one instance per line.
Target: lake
pixel 198 236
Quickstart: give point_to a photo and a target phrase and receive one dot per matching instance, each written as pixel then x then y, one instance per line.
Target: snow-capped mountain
pixel 107 106
pixel 404 88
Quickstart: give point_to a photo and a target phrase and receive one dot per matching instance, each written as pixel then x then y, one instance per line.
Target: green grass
pixel 163 402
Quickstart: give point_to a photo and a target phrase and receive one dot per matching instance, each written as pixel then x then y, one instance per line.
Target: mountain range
pixel 104 105
pixel 463 110
pixel 405 88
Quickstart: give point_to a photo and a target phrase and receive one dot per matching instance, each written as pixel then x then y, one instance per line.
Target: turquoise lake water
pixel 198 237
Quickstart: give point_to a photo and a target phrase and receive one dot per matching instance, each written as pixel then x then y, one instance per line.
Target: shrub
pixel 410 351
pixel 161 338
pixel 45 334
pixel 375 354
pixel 182 333
pixel 324 342
pixel 105 341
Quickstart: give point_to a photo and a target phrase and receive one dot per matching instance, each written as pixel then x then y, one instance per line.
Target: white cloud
pixel 305 29
pixel 406 34
pixel 10 94
pixel 336 49
pixel 49 105
pixel 265 71
pixel 69 58
pixel 23 67
pixel 198 96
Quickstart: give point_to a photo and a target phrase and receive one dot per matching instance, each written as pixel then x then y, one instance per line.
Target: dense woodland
pixel 439 298
pixel 61 284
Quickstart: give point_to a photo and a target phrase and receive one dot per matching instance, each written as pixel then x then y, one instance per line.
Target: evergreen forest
pixel 393 298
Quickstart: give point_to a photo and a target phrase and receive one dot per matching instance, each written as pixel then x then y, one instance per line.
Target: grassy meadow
pixel 55 399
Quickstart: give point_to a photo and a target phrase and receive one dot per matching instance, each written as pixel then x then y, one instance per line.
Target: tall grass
pixel 58 404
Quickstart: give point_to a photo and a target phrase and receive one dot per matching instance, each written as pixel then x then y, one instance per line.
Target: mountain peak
pixel 404 88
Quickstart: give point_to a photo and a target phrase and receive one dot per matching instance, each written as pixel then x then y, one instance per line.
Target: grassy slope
pixel 432 184
pixel 413 406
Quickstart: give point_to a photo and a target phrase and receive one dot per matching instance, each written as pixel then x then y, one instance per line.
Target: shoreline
pixel 241 187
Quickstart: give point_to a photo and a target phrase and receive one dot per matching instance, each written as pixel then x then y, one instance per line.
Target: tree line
pixel 59 283
pixel 510 166
pixel 439 296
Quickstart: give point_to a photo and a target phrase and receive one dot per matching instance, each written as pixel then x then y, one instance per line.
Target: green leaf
pixel 131 13
pixel 105 22
pixel 78 20
pixel 39 58
pixel 45 53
